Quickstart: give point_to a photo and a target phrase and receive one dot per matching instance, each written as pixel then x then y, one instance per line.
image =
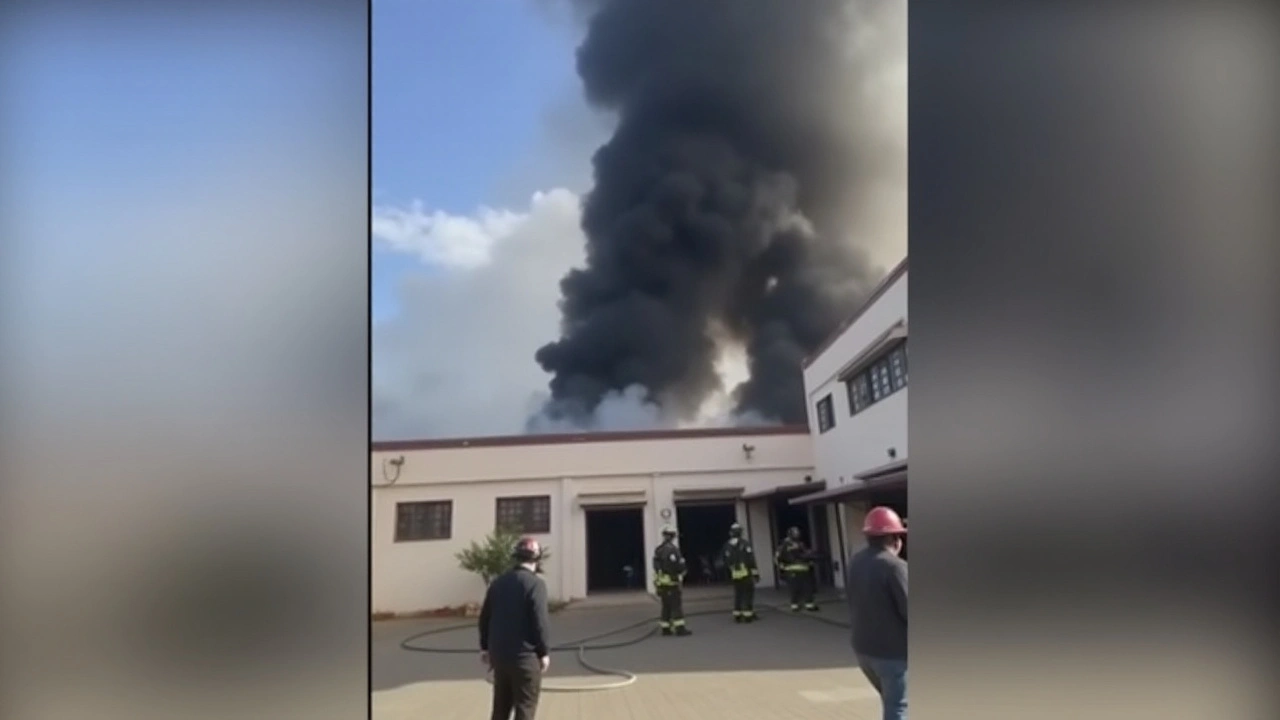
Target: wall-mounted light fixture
pixel 747 450
pixel 396 463
pixel 893 453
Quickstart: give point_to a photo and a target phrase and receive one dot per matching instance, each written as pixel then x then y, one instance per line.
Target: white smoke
pixel 631 410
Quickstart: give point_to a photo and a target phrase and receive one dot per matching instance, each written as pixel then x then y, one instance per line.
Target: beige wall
pixel 762 541
pixel 412 576
pixel 584 459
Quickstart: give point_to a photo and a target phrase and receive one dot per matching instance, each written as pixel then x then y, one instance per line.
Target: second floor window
pixel 884 377
pixel 826 414
pixel 859 393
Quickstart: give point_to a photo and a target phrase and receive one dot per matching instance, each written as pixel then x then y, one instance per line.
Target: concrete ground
pixel 781 667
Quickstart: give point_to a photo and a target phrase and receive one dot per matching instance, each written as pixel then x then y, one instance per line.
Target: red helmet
pixel 527 550
pixel 883 521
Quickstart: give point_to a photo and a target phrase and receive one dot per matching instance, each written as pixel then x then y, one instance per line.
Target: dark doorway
pixel 615 549
pixel 704 528
pixel 821 546
pixel 787 516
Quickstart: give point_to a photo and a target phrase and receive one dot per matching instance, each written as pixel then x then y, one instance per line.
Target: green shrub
pixel 491 557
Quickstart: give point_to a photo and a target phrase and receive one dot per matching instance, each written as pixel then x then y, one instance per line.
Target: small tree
pixel 491 557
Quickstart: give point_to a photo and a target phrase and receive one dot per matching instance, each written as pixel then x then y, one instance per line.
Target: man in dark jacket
pixel 514 640
pixel 876 585
pixel 741 561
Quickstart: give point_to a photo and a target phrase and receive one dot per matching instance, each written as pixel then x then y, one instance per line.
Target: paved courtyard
pixel 781 667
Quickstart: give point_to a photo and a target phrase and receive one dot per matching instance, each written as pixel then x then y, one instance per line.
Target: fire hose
pixel 581 646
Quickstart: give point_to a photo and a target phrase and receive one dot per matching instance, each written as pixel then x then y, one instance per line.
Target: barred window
pixel 529 515
pixel 429 520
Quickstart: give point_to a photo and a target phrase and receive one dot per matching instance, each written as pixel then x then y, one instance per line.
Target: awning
pixel 608 499
pixel 874 350
pixel 707 495
pixel 786 490
pixel 891 480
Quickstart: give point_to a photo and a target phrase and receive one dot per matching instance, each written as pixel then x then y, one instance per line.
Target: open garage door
pixel 704 528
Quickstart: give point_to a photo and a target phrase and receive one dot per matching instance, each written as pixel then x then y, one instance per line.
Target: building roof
pixel 583 437
pixel 894 274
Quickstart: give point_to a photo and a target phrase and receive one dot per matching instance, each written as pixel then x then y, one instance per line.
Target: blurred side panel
pixel 1096 337
pixel 184 373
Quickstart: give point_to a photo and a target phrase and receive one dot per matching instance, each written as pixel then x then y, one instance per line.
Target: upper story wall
pixel 861 441
pixel 591 455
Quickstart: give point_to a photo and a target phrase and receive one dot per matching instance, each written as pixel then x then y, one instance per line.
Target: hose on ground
pixel 581 646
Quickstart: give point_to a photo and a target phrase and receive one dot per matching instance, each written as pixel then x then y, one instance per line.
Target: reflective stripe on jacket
pixel 739 558
pixel 790 557
pixel 668 565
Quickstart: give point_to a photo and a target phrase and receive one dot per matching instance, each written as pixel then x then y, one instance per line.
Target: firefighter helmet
pixel 793 533
pixel 527 550
pixel 668 531
pixel 735 530
pixel 883 521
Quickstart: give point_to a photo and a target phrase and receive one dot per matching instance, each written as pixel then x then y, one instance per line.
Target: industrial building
pixel 598 501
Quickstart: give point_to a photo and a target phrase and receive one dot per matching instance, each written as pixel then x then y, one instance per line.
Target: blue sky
pixel 461 89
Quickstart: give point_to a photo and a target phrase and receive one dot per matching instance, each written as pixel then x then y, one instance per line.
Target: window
pixel 431 520
pixel 859 393
pixel 881 386
pixel 884 377
pixel 826 414
pixel 530 515
pixel 898 366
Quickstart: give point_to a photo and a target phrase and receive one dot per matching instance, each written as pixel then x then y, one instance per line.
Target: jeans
pixel 889 678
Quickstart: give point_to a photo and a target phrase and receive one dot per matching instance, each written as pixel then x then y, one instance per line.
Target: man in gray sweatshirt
pixel 876 586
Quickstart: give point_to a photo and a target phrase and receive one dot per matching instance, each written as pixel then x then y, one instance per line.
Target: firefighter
pixel 793 560
pixel 669 569
pixel 741 561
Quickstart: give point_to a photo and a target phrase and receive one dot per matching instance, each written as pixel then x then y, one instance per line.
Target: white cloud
pixel 457 359
pixel 442 239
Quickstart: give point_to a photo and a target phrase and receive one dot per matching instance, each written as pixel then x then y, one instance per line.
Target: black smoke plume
pixel 720 208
